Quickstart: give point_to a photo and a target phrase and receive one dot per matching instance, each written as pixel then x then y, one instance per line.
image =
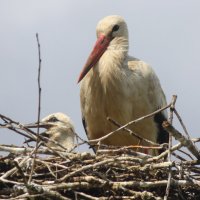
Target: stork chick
pixel 59 128
pixel 116 85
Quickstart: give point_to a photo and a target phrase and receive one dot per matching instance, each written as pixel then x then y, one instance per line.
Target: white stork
pixel 119 86
pixel 59 128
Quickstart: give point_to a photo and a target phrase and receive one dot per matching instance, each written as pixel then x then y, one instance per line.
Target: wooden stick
pixel 132 133
pixel 39 107
pixel 182 139
pixel 173 101
pixel 128 124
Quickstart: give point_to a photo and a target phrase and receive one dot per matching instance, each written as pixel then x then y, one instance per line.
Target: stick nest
pixel 111 174
pixel 41 172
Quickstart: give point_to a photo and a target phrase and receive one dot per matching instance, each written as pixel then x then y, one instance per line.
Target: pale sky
pixel 165 34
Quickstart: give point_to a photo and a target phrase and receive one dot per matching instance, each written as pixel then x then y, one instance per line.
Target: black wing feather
pixel 85 127
pixel 162 135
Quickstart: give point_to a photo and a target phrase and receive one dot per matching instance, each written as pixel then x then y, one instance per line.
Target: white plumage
pixel 119 86
pixel 59 128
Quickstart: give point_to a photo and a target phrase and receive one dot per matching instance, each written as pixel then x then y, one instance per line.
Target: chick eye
pixel 115 28
pixel 53 119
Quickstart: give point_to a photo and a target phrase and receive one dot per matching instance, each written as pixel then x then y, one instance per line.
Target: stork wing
pixel 155 94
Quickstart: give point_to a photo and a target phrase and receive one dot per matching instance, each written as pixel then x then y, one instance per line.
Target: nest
pixel 41 172
pixel 119 173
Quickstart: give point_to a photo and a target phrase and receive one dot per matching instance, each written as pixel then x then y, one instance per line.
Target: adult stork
pixel 59 128
pixel 119 86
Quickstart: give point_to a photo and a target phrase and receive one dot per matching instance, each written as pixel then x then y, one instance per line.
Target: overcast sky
pixel 165 34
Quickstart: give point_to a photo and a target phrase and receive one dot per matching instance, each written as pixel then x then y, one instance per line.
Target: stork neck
pixel 111 66
pixel 119 45
pixel 114 56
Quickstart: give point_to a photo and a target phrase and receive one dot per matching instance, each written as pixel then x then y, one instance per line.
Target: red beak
pixel 99 48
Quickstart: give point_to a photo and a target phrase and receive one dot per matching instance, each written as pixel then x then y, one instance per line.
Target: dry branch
pixel 132 133
pixel 128 124
pixel 170 118
pixel 39 106
pixel 104 175
pixel 182 139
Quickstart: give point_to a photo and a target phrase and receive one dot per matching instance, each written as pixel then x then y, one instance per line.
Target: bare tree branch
pixel 182 139
pixel 128 124
pixel 39 106
pixel 170 119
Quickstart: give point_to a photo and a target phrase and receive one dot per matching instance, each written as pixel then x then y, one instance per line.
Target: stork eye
pixel 53 119
pixel 115 28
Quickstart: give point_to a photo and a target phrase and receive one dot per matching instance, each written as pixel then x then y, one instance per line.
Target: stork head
pixel 111 33
pixel 59 128
pixel 57 121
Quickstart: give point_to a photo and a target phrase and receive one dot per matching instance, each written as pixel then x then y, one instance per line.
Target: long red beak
pixel 99 48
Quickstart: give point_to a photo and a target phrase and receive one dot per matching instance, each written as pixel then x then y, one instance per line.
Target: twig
pixel 182 139
pixel 15 130
pixel 39 106
pixel 95 165
pixel 45 192
pixel 118 184
pixel 11 171
pixel 128 124
pixel 186 154
pixel 165 153
pixel 25 196
pixel 123 150
pixel 132 133
pixel 22 150
pixel 9 125
pixel 21 172
pixel 170 119
pixel 182 124
pixel 39 85
pixel 173 101
pixel 86 195
pixel 33 136
pixel 140 195
pixel 184 128
pixel 152 166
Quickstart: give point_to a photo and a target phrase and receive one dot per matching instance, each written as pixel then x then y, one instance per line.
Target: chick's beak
pixel 36 125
